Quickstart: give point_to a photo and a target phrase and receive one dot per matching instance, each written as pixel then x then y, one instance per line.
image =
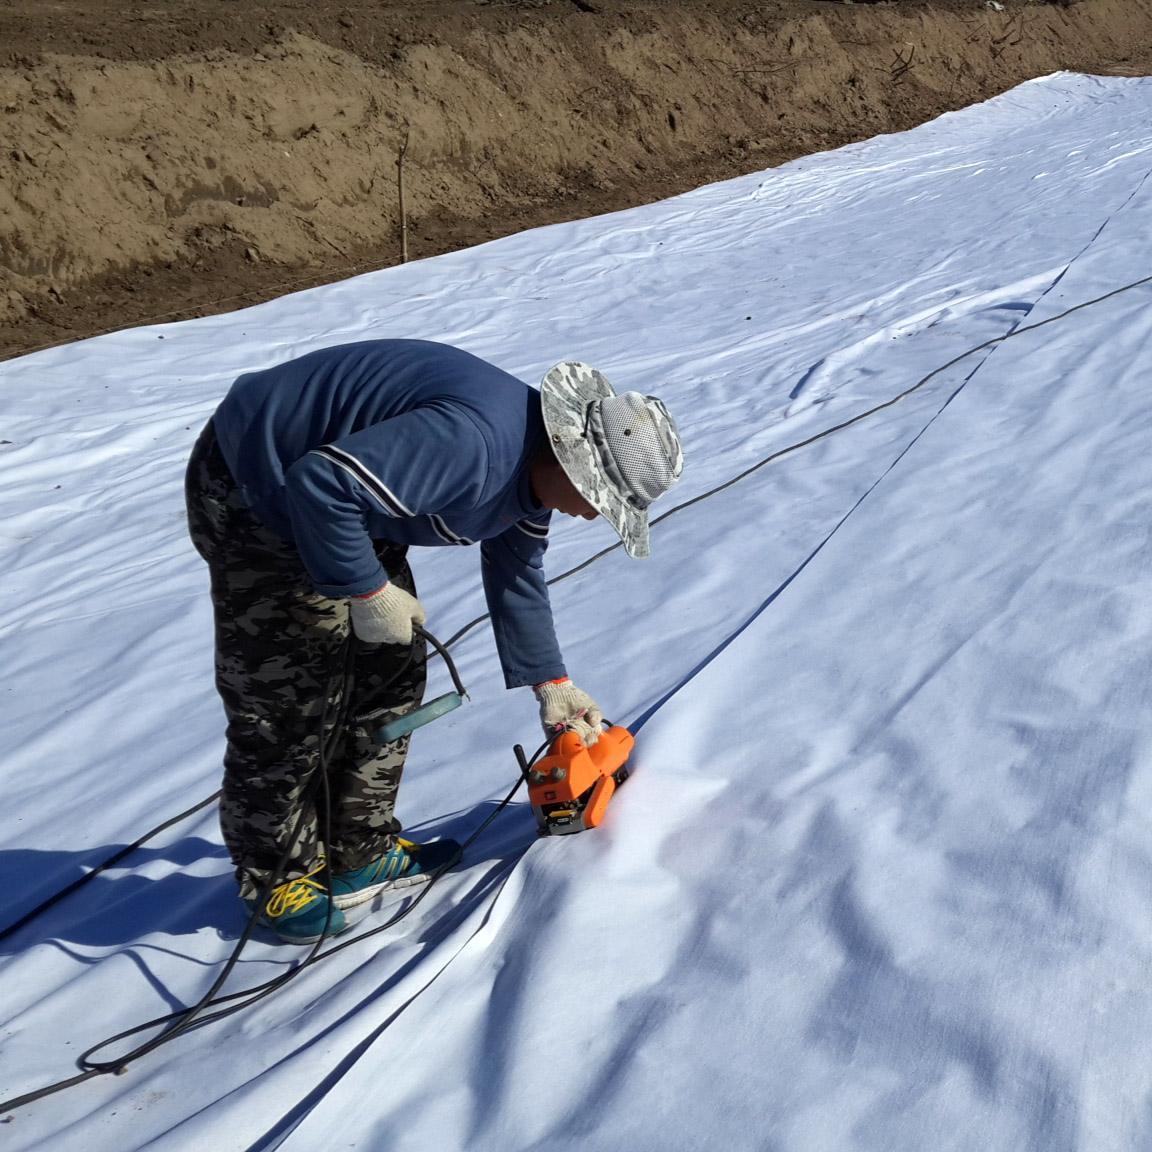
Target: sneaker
pixel 404 864
pixel 297 910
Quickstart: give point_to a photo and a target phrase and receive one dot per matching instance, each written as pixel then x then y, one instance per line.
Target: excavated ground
pixel 181 157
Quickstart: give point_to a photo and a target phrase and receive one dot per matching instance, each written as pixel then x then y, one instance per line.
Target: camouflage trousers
pixel 284 657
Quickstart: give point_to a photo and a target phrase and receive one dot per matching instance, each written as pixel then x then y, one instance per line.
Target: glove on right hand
pixel 563 705
pixel 385 616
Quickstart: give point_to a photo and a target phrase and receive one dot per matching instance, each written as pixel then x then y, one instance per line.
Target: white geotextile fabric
pixel 880 878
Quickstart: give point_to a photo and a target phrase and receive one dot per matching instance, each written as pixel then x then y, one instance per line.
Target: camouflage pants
pixel 281 655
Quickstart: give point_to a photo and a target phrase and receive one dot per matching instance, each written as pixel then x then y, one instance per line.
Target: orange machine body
pixel 570 787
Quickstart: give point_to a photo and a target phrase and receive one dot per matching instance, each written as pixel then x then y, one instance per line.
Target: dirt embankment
pixel 140 178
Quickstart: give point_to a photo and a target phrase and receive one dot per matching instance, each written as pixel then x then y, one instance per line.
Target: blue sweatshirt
pixel 407 441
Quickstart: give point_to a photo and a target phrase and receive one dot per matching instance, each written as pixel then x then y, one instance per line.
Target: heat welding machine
pixel 570 787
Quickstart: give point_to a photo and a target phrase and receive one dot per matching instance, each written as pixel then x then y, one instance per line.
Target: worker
pixel 305 491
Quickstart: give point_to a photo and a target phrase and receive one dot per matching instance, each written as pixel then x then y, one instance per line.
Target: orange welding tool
pixel 570 787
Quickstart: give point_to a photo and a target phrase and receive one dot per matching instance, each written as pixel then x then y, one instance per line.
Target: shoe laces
pixel 293 895
pixel 409 851
pixel 397 860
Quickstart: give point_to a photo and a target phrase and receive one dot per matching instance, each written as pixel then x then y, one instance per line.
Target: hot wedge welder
pixel 570 787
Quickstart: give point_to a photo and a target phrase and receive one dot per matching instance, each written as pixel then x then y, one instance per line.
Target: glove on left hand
pixel 385 616
pixel 563 705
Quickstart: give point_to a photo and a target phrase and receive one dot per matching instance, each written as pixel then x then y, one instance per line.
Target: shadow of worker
pixel 52 895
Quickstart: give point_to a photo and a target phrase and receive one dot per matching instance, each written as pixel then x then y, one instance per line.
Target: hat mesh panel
pixel 642 438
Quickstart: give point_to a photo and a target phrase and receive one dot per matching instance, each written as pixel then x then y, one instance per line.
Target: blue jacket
pixel 408 441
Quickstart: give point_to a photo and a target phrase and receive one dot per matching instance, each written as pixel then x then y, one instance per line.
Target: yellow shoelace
pixel 293 895
pixel 399 864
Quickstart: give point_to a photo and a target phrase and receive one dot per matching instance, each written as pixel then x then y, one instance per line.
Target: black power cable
pixel 193 1017
pixel 104 865
pixel 184 1019
pixel 790 448
pixel 175 1024
pixel 259 991
pixel 8 930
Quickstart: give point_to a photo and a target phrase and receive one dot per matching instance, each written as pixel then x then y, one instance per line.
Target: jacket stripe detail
pixel 374 484
pixel 445 533
pixel 530 528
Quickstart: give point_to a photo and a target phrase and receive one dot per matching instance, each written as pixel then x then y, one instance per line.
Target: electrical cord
pixel 194 1017
pixel 184 1020
pixel 103 866
pixel 8 930
pixel 318 781
pixel 787 450
pixel 259 991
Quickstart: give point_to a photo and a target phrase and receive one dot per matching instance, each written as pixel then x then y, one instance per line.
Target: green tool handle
pixel 434 709
pixel 418 717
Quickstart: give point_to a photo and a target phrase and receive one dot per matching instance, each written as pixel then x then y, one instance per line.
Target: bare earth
pixel 182 157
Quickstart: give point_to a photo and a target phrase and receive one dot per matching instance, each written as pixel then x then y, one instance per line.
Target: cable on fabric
pixel 194 1017
pixel 184 1019
pixel 472 624
pixel 790 448
pixel 175 1024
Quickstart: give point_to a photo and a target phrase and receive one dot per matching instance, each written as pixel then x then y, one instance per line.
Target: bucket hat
pixel 620 451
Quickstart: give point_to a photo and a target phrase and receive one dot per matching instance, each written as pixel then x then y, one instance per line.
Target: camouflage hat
pixel 621 452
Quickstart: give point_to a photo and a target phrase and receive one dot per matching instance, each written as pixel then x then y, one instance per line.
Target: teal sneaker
pixel 297 910
pixel 404 864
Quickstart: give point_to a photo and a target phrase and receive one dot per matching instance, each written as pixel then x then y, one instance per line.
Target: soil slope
pixel 196 155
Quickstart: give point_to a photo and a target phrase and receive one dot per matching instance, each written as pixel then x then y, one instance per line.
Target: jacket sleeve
pixel 517 594
pixel 430 459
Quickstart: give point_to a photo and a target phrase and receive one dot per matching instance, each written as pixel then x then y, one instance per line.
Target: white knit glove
pixel 385 616
pixel 563 705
